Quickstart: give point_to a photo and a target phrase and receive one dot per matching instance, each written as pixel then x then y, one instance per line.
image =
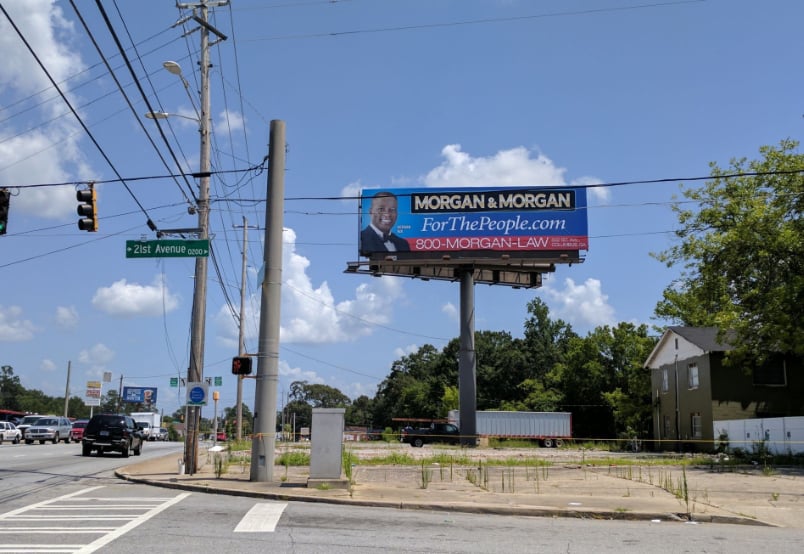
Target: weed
pixel 347 463
pixel 426 476
pixel 221 461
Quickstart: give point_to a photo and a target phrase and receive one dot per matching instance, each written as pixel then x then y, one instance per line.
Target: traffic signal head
pixel 88 209
pixel 5 201
pixel 241 365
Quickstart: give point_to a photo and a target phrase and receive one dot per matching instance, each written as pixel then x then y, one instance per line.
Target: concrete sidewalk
pixel 654 493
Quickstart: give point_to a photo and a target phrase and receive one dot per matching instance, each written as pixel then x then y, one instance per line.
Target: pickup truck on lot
pixel 437 432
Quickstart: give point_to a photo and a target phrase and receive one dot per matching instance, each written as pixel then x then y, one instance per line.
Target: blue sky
pixel 374 93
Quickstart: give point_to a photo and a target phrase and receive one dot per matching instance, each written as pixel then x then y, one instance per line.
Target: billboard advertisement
pixel 139 395
pixel 501 219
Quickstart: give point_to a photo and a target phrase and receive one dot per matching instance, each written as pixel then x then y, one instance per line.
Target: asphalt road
pixel 54 500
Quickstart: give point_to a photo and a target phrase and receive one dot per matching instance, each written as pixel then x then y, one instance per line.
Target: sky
pixel 374 94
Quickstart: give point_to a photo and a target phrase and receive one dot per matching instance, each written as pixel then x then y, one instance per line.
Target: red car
pixel 77 432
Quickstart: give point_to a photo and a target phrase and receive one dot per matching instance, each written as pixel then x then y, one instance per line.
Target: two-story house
pixel 691 388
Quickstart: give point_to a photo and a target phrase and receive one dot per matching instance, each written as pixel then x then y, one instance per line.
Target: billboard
pixel 139 395
pixel 501 219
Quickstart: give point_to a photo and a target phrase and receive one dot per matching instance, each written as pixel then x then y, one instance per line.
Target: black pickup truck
pixel 437 432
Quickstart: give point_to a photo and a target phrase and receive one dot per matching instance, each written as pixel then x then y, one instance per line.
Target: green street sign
pixel 174 381
pixel 218 381
pixel 167 248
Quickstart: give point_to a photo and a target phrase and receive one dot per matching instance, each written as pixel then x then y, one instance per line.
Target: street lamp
pixel 165 115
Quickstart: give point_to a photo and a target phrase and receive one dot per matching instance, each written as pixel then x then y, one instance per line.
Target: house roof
pixel 702 338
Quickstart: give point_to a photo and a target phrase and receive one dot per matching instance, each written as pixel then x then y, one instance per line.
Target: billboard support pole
pixel 467 362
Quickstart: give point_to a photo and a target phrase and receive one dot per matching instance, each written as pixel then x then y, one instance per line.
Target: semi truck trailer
pixel 550 428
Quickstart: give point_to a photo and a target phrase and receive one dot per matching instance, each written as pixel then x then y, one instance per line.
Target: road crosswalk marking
pixel 261 518
pixel 106 518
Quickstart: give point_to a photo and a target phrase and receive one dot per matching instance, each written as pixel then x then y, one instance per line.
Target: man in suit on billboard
pixel 377 236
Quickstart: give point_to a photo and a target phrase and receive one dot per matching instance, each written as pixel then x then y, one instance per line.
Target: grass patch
pixel 392 458
pixel 293 459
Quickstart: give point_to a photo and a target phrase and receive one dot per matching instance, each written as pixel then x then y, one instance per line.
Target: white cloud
pixel 310 313
pixel 298 374
pixel 351 191
pixel 406 350
pixel 599 194
pixel 67 317
pixel 123 299
pixel 97 356
pixel 13 328
pixel 47 153
pixel 584 306
pixel 48 365
pixel 450 310
pixel 513 167
pixel 230 121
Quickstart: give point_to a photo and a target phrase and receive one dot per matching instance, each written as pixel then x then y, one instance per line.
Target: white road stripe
pixel 149 507
pixel 120 531
pixel 262 518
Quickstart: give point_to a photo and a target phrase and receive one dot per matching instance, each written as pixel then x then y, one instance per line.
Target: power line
pixel 150 223
pixel 482 21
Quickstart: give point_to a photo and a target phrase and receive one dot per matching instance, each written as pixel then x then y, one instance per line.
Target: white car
pixel 9 432
pixel 49 428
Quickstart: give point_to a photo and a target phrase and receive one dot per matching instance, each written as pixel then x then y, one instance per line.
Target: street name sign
pixel 198 248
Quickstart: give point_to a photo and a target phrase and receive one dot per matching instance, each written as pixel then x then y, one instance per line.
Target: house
pixel 692 388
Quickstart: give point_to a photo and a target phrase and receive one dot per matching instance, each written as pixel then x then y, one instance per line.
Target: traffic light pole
pixel 263 440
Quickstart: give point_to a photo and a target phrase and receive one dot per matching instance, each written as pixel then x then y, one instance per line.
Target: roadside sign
pixel 218 381
pixel 197 394
pixel 174 381
pixel 167 248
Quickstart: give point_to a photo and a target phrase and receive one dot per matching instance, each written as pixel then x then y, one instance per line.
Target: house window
pixel 692 372
pixel 665 380
pixel 772 374
pixel 695 425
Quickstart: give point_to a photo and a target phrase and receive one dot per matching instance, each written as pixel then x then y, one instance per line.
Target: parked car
pixel 163 434
pixel 437 432
pixel 9 432
pixel 221 436
pixel 77 432
pixel 26 422
pixel 112 432
pixel 49 428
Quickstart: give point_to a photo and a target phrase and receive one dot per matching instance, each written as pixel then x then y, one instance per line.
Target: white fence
pixel 782 435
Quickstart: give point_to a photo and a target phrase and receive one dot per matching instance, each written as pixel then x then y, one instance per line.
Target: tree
pixel 359 412
pixel 741 247
pixel 10 389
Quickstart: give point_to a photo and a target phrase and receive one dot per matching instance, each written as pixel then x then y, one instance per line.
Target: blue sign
pixel 139 395
pixel 197 394
pixel 509 219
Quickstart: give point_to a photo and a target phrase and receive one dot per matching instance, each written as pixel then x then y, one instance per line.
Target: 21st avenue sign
pixel 167 248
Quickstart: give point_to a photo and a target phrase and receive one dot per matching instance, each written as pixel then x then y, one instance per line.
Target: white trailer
pixel 551 428
pixel 781 435
pixel 151 422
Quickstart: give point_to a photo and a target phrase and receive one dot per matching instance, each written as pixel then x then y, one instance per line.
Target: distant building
pixel 691 388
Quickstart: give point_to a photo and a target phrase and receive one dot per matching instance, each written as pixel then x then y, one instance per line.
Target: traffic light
pixel 241 365
pixel 5 200
pixel 88 209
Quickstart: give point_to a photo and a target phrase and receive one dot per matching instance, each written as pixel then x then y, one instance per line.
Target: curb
pixel 521 511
